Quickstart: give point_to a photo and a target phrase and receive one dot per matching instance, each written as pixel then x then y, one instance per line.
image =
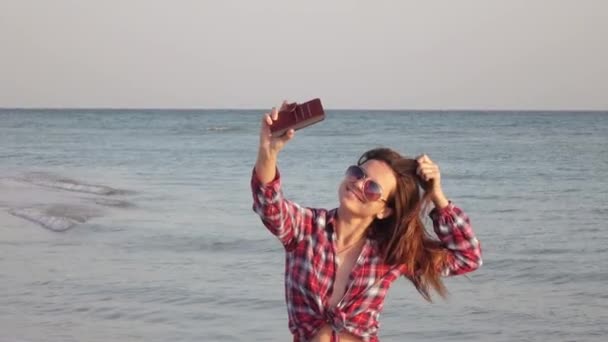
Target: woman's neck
pixel 350 229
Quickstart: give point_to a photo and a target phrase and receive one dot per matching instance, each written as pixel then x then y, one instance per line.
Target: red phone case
pixel 298 116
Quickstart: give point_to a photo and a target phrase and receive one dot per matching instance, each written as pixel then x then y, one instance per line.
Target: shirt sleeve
pixel 285 219
pixel 454 230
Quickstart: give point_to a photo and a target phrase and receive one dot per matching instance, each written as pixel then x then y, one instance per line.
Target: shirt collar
pixel 331 219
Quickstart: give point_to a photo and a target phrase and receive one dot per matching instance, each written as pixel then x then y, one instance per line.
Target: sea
pixel 137 225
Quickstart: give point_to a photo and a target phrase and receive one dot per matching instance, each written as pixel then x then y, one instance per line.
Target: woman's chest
pixel 345 263
pixel 333 278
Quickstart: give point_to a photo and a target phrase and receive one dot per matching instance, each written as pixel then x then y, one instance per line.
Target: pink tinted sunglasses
pixel 371 189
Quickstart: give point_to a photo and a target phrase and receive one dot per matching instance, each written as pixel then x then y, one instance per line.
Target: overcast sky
pixel 465 54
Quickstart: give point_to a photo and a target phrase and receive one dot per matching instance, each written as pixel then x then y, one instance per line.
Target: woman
pixel 341 262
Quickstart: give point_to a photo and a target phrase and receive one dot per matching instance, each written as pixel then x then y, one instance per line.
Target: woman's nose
pixel 359 183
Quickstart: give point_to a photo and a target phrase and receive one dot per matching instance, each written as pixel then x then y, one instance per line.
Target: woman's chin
pixel 351 203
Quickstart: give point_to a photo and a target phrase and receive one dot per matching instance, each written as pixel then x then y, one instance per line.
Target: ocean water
pixel 136 225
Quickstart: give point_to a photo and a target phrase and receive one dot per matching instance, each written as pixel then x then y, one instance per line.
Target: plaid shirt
pixel 309 240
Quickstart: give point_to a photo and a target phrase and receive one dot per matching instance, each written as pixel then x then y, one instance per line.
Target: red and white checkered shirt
pixel 310 269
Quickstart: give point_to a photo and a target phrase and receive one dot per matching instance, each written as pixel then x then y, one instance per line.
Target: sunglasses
pixel 371 189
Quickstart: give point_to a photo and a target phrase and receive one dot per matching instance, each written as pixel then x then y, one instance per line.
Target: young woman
pixel 341 262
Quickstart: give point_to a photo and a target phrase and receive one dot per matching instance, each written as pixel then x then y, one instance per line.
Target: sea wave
pixel 56 182
pixel 57 217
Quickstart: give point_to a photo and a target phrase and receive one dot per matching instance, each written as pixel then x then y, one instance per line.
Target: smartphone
pixel 298 116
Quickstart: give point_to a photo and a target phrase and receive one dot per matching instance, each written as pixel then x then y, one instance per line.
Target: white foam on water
pixel 53 181
pixel 54 223
pixel 52 202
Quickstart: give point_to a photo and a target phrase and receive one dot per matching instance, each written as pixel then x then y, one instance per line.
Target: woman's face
pixel 351 192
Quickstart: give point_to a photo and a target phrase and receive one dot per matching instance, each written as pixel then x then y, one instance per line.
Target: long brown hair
pixel 402 237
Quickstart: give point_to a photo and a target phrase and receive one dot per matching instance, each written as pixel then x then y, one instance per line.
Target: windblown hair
pixel 402 237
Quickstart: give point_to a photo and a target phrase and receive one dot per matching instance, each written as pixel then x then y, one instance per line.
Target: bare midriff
pixel 344 267
pixel 324 335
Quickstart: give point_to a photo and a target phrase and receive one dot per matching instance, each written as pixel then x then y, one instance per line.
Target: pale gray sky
pixel 464 54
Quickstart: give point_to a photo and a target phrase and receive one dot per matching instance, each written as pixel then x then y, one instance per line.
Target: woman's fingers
pixel 427 170
pixel 430 175
pixel 424 159
pixel 287 136
pixel 283 105
pixel 274 113
pixel 268 119
pixel 428 167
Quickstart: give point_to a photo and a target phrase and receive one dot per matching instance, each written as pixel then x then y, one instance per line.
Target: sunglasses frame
pixel 366 182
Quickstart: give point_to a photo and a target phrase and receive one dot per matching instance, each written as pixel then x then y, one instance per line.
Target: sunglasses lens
pixel 355 173
pixel 372 190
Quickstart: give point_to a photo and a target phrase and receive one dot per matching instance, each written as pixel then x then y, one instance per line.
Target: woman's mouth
pixel 355 193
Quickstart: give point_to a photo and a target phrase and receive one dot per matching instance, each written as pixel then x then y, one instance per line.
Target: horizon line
pixel 328 108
